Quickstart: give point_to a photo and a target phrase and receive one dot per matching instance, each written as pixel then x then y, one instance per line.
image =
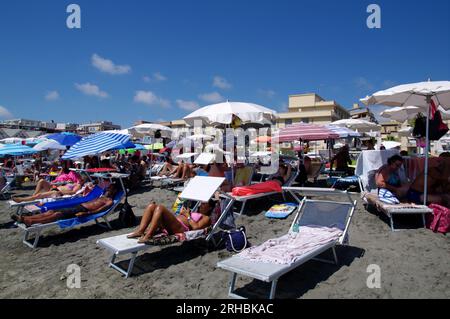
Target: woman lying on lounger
pixel 94 206
pixel 59 191
pixel 158 217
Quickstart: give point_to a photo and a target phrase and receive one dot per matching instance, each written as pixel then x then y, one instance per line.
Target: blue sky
pixel 158 60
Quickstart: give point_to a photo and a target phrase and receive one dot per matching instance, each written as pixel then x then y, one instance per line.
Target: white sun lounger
pixel 200 189
pixel 367 165
pixel 310 212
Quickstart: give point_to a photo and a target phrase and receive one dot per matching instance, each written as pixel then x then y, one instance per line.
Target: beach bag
pixel 235 239
pixel 126 215
pixel 437 128
pixel 387 197
pixel 440 220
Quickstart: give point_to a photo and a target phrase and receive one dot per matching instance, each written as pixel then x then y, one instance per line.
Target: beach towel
pixel 264 187
pixel 289 248
pixel 386 196
pixel 440 220
pixel 281 211
pixel 72 222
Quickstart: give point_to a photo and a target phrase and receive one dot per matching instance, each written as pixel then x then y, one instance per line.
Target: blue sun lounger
pixel 64 224
pixel 57 204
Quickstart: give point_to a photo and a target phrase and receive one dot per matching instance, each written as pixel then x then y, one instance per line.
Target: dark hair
pixel 394 158
pixel 278 178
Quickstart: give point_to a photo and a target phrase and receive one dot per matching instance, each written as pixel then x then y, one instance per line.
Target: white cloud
pixel 150 98
pixel 388 84
pixel 212 97
pixel 221 83
pixel 159 77
pixel 52 96
pixel 267 93
pixel 108 66
pixel 187 105
pixel 363 83
pixel 156 77
pixel 91 89
pixel 5 113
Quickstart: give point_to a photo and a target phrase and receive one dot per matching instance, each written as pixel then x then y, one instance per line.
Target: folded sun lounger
pixel 200 189
pixel 332 217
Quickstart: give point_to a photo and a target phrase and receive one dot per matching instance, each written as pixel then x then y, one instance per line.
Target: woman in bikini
pixel 158 217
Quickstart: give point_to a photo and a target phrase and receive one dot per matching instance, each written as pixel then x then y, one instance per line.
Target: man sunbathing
pixel 158 217
pixel 95 206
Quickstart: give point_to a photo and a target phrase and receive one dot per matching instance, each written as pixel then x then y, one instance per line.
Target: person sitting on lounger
pixel 65 176
pixel 57 191
pixel 436 184
pixel 388 177
pixel 342 160
pixel 94 206
pixel 158 217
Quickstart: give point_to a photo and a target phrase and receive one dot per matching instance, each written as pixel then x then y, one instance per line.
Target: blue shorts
pixel 414 196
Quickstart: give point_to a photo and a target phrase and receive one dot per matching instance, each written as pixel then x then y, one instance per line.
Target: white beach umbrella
pixel 49 145
pixel 391 144
pixel 150 129
pixel 357 124
pixel 12 140
pixel 402 113
pixel 200 137
pixel 418 94
pixel 223 113
pixel 405 131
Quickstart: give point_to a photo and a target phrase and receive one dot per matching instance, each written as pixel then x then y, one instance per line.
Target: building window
pixel 305 120
pixel 288 121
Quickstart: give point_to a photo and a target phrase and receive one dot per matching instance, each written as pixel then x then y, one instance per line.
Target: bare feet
pixel 136 234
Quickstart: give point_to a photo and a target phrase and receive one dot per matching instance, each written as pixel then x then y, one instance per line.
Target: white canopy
pixel 222 113
pixel 150 129
pixel 402 113
pixel 357 124
pixel 391 144
pixel 49 145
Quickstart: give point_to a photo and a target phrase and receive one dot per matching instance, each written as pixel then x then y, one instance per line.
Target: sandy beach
pixel 414 262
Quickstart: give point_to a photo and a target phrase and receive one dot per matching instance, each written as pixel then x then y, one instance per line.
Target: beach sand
pixel 414 263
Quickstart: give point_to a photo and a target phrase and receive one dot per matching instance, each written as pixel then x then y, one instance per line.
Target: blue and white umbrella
pixel 65 138
pixel 16 150
pixel 97 144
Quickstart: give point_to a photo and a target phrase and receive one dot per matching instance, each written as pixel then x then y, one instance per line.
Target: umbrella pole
pixel 427 146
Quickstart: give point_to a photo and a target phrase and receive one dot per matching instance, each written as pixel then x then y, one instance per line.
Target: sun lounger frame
pixel 134 250
pixel 399 209
pixel 275 275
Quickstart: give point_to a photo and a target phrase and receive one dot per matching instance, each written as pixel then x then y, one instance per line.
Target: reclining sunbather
pixel 92 207
pixel 58 191
pixel 158 217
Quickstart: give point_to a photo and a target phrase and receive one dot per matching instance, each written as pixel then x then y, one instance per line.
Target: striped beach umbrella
pixel 97 144
pixel 16 150
pixel 305 132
